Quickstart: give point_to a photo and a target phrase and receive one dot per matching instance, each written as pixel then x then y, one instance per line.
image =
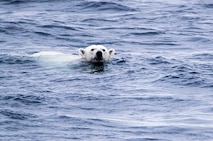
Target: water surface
pixel 157 87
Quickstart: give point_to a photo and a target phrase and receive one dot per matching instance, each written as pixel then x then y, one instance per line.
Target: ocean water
pixel 157 87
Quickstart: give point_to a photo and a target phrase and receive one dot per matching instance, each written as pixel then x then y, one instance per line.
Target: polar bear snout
pixel 99 56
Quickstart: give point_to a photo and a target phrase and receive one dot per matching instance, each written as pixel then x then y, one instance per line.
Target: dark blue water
pixel 158 86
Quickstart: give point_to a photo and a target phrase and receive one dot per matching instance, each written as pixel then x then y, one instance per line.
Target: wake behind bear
pixel 95 54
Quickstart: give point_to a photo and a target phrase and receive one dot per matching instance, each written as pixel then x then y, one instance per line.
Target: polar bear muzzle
pixel 99 56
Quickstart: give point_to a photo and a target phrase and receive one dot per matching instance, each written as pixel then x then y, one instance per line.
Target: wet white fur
pixel 89 53
pixel 59 58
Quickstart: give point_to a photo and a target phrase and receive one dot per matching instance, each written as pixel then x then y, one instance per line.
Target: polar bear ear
pixel 111 52
pixel 81 52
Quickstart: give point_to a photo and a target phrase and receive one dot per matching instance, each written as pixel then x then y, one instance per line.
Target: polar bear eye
pixel 103 50
pixel 92 49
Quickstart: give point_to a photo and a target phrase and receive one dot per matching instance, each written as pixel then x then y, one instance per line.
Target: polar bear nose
pixel 99 55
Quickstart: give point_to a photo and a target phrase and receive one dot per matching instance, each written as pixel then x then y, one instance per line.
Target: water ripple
pixel 14 59
pixel 104 6
pixel 24 99
pixel 208 5
pixel 187 76
pixel 16 115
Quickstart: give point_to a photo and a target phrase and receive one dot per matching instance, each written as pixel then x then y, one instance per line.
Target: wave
pixel 24 99
pixel 59 27
pixel 180 72
pixel 16 115
pixel 8 2
pixel 103 6
pixel 12 28
pixel 19 100
pixel 185 74
pixel 146 33
pixel 203 56
pixel 158 60
pixel 14 59
pixel 208 5
pixel 184 80
pixel 22 1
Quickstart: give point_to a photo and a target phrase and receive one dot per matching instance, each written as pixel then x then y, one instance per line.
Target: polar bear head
pixel 96 53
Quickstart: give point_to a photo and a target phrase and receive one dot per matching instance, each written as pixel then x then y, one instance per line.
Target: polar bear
pixel 96 53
